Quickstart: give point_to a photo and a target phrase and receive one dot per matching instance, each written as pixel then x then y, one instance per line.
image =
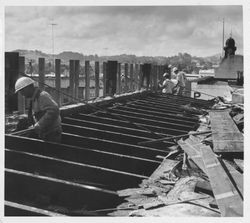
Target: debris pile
pixel 202 176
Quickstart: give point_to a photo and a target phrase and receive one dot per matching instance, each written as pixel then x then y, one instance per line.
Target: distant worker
pixel 44 113
pixel 167 85
pixel 181 81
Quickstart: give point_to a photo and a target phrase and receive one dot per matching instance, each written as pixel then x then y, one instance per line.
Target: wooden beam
pixel 226 195
pixel 113 147
pixel 148 122
pixel 118 89
pixel 17 209
pixel 163 121
pixel 44 191
pixel 109 119
pixel 87 80
pixel 137 81
pixel 97 76
pixel 70 171
pixel 131 72
pixel 71 79
pixel 111 135
pixel 58 81
pixel 41 71
pixel 173 137
pixel 82 154
pixel 77 72
pixel 225 134
pixel 126 78
pixel 104 79
pixel 109 127
pixel 156 115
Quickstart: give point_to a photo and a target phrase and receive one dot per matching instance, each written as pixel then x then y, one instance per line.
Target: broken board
pixel 225 134
pixel 227 197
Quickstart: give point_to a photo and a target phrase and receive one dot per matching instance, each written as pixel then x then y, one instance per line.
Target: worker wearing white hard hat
pixel 43 112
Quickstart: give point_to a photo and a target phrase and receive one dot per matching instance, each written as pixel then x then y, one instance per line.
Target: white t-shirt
pixel 168 86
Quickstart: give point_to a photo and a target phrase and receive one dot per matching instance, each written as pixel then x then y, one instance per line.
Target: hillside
pixel 182 59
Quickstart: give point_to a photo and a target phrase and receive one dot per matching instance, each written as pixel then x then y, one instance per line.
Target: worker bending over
pixel 44 113
pixel 167 85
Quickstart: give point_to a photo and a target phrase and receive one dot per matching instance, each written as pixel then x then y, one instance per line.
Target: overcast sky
pixel 112 30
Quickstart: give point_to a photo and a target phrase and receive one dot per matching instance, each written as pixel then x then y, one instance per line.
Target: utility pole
pixel 52 30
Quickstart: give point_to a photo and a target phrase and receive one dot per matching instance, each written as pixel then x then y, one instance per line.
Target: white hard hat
pixel 23 82
pixel 175 69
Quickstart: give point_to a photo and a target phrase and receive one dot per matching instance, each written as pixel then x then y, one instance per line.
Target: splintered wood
pixel 228 199
pixel 226 181
pixel 225 134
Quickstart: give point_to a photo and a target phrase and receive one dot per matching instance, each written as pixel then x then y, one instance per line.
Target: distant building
pixel 231 65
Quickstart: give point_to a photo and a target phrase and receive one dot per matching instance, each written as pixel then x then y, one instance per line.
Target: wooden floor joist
pixel 141 113
pixel 227 197
pixel 42 191
pixel 225 134
pixel 97 156
pixel 16 209
pixel 70 171
pixel 83 155
pixel 111 146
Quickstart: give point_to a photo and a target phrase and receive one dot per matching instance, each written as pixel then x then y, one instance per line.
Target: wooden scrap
pixel 236 175
pixel 166 165
pixel 240 164
pixel 227 197
pixel 193 152
pixel 213 204
pixel 134 191
pixel 226 135
pixel 238 118
pixel 172 137
pixel 154 204
pixel 204 187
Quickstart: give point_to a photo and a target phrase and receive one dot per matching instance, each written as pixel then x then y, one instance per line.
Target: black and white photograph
pixel 130 109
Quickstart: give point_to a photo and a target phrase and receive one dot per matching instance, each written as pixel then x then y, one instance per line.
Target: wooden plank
pixel 225 134
pixel 226 195
pixel 236 175
pixel 193 152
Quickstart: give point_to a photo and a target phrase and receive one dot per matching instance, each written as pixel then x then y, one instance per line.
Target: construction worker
pixel 181 81
pixel 44 113
pixel 167 85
